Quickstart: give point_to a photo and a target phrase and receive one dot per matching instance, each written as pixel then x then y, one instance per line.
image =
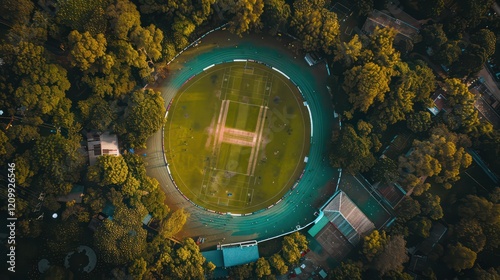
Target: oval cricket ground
pixel 236 137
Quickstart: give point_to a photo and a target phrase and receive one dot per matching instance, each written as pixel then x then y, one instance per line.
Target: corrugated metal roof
pixel 348 218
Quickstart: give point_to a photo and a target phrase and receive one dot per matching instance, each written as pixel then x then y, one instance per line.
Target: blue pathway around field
pixel 297 208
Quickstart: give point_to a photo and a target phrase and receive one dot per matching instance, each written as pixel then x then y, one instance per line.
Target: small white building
pixel 101 144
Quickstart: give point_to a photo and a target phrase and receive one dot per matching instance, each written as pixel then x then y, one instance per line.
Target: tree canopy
pixel 459 257
pixel 277 262
pixel 276 14
pixel 262 267
pixel 347 271
pixel 373 244
pixel 470 233
pixel 85 49
pixel 366 84
pixel 246 16
pixel 352 151
pixel 349 52
pixel 293 245
pixel 442 156
pixel 392 256
pixel 122 239
pixel 186 262
pixel 174 223
pixel 143 116
pixel 463 116
pixel 57 157
pixel 315 25
pixel 434 36
pixel 108 170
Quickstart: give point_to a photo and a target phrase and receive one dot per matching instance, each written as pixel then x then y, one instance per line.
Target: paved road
pixel 298 207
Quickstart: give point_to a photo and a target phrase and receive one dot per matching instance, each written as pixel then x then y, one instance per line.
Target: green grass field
pixel 238 116
pixel 236 137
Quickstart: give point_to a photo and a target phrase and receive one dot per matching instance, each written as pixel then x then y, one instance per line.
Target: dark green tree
pixel 449 53
pixel 58 159
pixel 25 169
pixel 486 39
pixel 470 61
pixel 408 209
pixel 187 262
pixel 97 113
pixel 385 170
pixel 380 48
pixel 364 6
pixel 423 82
pixel 83 15
pixel 94 199
pixel 348 271
pixel 242 271
pixel 292 246
pixel 138 268
pixel 431 8
pixel 66 237
pixel 459 257
pixel 148 40
pixel 483 274
pixel 473 11
pixel 420 226
pixel 43 87
pixel 277 262
pixel 115 81
pixel 392 256
pixel 315 25
pixel 434 36
pixel 400 99
pixel 4 142
pixel 351 151
pixel 30 228
pixel 143 116
pixel 174 223
pixel 275 15
pixel 366 84
pixel 246 16
pixel 470 233
pixel 17 11
pixel 108 170
pixel 34 29
pixel 487 214
pixel 122 239
pixel 463 115
pixel 373 244
pixel 262 267
pixel 419 122
pixel 442 156
pixel 123 17
pixel 85 49
pixel 155 203
pixel 349 52
pixel 431 206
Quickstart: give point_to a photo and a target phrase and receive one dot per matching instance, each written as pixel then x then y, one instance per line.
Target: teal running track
pixel 297 208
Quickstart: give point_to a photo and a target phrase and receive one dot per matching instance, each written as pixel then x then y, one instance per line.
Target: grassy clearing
pixel 224 158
